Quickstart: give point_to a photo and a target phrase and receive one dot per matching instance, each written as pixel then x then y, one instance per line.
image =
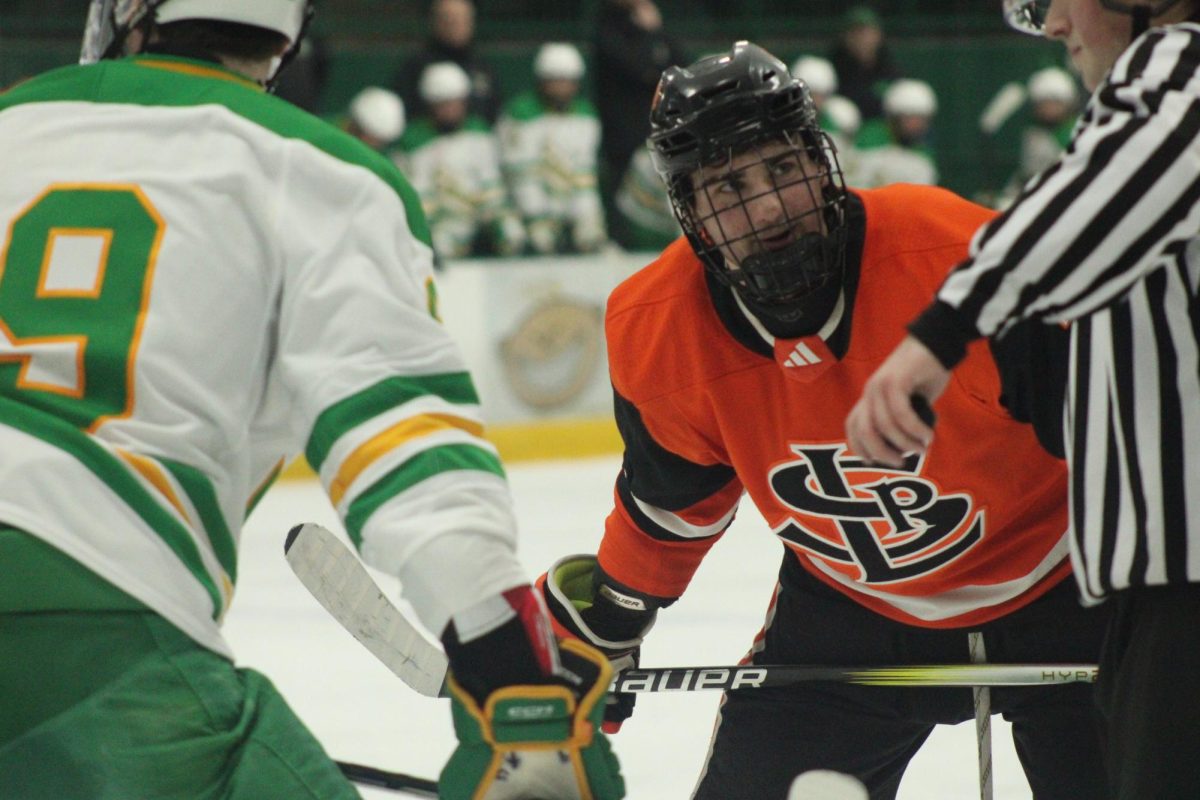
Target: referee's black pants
pixel 765 737
pixel 1149 694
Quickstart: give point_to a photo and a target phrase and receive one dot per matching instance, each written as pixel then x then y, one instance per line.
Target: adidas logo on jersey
pixel 801 356
pixel 803 359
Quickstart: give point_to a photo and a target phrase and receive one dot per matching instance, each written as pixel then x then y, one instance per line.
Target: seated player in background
pixel 453 160
pixel 895 149
pixel 549 145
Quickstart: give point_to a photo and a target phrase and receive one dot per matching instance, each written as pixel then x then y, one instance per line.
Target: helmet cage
pixel 744 106
pixel 767 274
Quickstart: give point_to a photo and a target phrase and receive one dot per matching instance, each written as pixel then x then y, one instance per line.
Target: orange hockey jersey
pixel 710 406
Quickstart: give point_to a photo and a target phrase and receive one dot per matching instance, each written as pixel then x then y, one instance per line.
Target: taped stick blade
pixel 335 576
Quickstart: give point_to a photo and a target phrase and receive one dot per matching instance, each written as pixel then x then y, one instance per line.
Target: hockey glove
pixel 535 741
pixel 527 711
pixel 585 605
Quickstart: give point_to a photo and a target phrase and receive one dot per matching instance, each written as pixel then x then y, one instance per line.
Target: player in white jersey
pixel 549 146
pixel 198 280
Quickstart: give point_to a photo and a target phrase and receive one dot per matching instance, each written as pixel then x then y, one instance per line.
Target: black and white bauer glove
pixel 586 604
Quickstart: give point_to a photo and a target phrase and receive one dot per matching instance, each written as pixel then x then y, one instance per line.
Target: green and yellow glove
pixel 536 741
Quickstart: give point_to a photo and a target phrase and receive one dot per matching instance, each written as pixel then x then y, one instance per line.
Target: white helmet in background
pixel 444 81
pixel 558 61
pixel 844 114
pixel 379 113
pixel 1052 83
pixel 109 21
pixel 817 72
pixel 909 97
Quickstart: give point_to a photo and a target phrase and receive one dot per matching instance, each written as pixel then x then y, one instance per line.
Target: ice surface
pixel 364 714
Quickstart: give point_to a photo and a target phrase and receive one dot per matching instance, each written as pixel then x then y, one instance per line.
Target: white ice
pixel 363 714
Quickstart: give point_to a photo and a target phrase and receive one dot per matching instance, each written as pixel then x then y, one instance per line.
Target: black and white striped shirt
pixel 1108 240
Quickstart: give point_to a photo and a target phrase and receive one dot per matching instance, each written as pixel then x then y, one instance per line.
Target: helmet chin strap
pixel 1141 21
pixel 281 63
pixel 805 264
pixel 1142 12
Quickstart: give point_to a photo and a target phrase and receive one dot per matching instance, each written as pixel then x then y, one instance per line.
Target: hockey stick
pixel 335 576
pixel 396 781
pixel 982 696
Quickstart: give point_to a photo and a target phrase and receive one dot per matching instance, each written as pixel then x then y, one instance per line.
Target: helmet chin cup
pixel 790 284
pixel 777 275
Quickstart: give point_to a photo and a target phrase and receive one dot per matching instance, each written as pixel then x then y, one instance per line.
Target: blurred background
pixel 960 47
pixel 521 125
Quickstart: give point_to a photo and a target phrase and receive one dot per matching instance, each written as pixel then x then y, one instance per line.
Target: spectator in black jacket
pixel 863 61
pixel 451 38
pixel 631 51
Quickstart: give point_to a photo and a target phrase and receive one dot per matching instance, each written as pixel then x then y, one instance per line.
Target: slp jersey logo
pixel 874 524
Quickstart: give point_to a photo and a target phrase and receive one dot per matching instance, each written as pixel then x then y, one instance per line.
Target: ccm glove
pixel 529 742
pixel 586 605
pixel 526 711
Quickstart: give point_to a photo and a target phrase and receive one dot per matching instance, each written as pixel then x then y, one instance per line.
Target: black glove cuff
pixel 501 657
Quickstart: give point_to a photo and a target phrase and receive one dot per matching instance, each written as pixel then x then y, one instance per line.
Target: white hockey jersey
pixel 197 281
pixel 550 160
pixel 457 175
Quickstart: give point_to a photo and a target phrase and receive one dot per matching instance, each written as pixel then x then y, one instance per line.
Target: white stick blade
pixel 335 576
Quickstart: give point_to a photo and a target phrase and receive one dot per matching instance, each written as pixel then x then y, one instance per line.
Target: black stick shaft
pixel 396 781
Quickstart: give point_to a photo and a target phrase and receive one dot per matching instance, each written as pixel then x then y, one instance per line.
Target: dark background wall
pixel 961 47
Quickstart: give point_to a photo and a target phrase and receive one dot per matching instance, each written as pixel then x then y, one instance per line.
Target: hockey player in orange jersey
pixel 734 358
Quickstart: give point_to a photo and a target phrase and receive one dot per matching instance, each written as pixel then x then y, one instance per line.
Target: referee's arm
pixel 1125 191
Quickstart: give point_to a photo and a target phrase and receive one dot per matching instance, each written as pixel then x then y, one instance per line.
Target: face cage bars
pixel 827 198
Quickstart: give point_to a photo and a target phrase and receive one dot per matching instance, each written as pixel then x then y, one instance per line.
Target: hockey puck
pixel 825 784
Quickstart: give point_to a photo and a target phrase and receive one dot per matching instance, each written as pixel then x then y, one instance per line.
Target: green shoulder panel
pixel 418 133
pixel 527 106
pixel 169 81
pixel 874 133
pixel 421 131
pixel 582 106
pixel 477 124
pixel 524 107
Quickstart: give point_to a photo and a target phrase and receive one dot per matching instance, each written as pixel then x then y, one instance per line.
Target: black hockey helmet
pixel 727 105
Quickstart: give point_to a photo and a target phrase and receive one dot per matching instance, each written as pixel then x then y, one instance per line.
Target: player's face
pixel 1094 36
pixel 454 22
pixel 760 200
pixel 560 91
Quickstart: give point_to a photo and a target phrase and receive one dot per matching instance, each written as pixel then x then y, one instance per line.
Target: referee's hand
pixel 883 426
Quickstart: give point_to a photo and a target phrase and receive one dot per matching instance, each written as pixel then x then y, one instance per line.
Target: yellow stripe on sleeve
pixel 372 450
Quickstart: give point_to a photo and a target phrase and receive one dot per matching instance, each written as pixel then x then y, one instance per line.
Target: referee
pixel 1106 241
